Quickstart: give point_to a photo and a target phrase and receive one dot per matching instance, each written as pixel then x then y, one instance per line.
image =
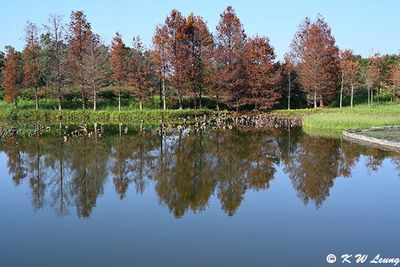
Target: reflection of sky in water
pixel 355 214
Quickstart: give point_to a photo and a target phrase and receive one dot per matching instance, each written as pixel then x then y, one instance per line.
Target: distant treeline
pixel 186 61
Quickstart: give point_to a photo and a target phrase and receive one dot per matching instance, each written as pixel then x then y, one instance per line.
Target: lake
pixel 119 197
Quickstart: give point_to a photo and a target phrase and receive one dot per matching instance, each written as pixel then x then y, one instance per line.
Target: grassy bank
pixel 103 116
pixel 336 120
pixel 326 121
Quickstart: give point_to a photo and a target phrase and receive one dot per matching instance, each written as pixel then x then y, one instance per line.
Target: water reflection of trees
pixel 315 163
pixel 132 159
pixel 187 169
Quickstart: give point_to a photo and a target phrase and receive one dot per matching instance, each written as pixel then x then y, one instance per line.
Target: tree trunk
pixel 352 95
pixel 378 91
pixel 140 105
pixel 119 99
pixel 372 95
pixel 180 101
pixel 321 101
pixel 200 96
pixel 393 94
pixel 315 99
pixel 36 99
pixel 369 95
pixel 163 95
pixel 94 99
pixel 289 91
pixel 217 103
pixel 59 100
pixel 59 89
pixel 341 91
pixel 83 98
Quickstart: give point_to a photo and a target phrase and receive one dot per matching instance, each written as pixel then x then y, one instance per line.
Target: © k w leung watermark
pixel 362 259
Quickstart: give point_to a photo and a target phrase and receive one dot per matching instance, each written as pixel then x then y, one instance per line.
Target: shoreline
pixel 317 121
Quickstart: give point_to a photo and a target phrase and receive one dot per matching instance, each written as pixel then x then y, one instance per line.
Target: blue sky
pixel 365 26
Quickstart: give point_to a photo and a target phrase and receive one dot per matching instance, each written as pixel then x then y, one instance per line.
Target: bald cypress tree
pixel 32 63
pixel 80 34
pixel 118 64
pixel 317 58
pixel 229 58
pixel 11 75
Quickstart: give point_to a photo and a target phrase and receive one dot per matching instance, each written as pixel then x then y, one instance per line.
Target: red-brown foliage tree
pixel 289 77
pixel 93 71
pixel 197 49
pixel 11 77
pixel 31 56
pixel 56 31
pixel 343 56
pixel 350 74
pixel 262 76
pixel 79 37
pixel 160 61
pixel 229 75
pixel 118 64
pixel 394 79
pixel 374 76
pixel 317 58
pixel 176 54
pixel 140 75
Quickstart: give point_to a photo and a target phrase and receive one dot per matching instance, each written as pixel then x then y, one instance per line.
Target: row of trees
pixel 187 60
pixel 322 68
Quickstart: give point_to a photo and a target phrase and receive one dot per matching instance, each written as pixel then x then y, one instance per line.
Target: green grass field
pixel 335 119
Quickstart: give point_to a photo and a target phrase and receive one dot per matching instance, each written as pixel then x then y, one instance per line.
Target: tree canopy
pixel 189 65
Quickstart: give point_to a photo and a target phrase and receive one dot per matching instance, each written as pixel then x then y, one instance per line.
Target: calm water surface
pixel 208 198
